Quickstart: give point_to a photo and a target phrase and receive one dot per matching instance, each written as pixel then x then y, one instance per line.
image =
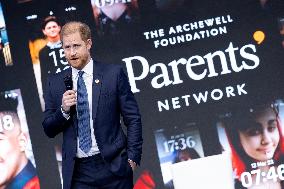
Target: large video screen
pixel 207 76
pixel 18 168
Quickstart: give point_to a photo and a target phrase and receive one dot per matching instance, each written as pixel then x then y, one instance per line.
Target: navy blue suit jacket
pixel 111 99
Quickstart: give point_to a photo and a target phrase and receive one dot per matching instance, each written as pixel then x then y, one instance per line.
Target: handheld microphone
pixel 68 82
pixel 69 86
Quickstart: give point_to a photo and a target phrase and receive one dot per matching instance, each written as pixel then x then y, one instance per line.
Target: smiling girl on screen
pixel 256 142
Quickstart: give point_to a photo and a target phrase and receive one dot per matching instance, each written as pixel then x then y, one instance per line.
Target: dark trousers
pixel 93 173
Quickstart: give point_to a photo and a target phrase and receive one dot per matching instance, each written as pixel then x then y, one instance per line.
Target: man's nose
pixel 73 51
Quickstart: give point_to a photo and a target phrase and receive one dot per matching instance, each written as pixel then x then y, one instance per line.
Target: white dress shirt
pixel 88 79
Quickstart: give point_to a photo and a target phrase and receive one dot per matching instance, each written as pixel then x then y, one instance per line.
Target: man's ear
pixel 43 31
pixel 89 43
pixel 23 142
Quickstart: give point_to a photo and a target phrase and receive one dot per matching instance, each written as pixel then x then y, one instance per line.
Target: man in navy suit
pixel 96 153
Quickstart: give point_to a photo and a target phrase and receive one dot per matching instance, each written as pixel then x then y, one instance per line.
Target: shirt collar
pixel 57 44
pixel 88 69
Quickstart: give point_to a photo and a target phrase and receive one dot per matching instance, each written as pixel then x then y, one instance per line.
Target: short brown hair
pixel 76 26
pixel 49 19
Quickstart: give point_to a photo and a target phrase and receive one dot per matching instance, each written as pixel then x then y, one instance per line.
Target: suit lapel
pixel 96 88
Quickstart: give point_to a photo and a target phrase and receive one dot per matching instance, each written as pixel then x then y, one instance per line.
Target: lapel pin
pixel 97 81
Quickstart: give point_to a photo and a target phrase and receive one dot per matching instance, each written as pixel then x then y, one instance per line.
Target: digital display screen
pixel 196 68
pixel 5 53
pixel 177 145
pixel 16 154
pixel 255 143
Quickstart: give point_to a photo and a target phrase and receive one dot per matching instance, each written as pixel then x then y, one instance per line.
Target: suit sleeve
pixel 54 121
pixel 131 118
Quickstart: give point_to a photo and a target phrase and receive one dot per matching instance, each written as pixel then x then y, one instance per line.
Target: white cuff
pixel 65 115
